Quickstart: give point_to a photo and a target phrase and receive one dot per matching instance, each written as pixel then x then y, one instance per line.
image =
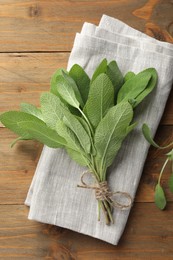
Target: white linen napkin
pixel 53 196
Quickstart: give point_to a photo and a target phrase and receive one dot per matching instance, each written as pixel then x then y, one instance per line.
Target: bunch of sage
pixel 159 195
pixel 89 118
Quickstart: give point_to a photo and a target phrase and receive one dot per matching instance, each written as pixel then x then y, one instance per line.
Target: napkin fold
pixel 53 196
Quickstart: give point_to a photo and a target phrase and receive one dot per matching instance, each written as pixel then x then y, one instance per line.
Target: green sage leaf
pixel 70 81
pixel 74 124
pixel 42 133
pixel 129 75
pixel 134 86
pixel 159 197
pixel 77 157
pixel 150 86
pixel 54 80
pixel 115 76
pixel 31 109
pixel 11 120
pixel 111 131
pixel 52 109
pixel 67 92
pixel 102 68
pixel 87 129
pixel 72 141
pixel 100 99
pixel 82 80
pixel 30 127
pixel 147 134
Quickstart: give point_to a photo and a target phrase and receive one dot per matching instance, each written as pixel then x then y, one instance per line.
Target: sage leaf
pixel 111 131
pixel 72 141
pixel 31 109
pixel 102 68
pixel 129 75
pixel 52 109
pixel 74 124
pixel 115 76
pixel 69 80
pixel 170 183
pixel 11 120
pixel 84 124
pixel 100 99
pixel 150 86
pixel 134 86
pixel 67 93
pixel 147 134
pixel 87 129
pixel 159 197
pixel 77 157
pixel 42 133
pixel 30 127
pixel 82 80
pixel 54 80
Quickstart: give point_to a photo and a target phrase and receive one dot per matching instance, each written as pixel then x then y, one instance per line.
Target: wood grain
pixel 51 25
pixel 24 76
pixel 35 39
pixel 148 235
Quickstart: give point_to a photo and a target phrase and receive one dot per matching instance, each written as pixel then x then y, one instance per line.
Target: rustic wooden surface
pixel 36 38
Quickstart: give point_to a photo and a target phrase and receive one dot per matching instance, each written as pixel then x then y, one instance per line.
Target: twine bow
pixel 102 192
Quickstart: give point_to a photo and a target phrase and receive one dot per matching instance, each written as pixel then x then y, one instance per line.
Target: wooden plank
pixel 24 239
pixel 22 157
pixel 51 25
pixel 19 163
pixel 14 186
pixel 168 113
pixel 24 76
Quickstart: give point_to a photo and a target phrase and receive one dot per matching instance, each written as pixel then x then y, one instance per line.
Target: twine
pixel 102 192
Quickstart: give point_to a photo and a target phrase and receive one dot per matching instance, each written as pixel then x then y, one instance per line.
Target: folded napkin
pixel 53 196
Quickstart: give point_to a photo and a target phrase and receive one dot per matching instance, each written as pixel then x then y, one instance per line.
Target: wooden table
pixel 35 39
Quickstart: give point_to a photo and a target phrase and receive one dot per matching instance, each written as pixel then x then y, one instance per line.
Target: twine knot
pixel 102 192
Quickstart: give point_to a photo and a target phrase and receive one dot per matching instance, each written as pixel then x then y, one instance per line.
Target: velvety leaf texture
pixel 70 137
pixel 11 120
pixel 52 109
pixel 54 80
pixel 77 157
pixel 82 81
pixel 74 124
pixel 134 86
pixel 150 86
pixel 100 99
pixel 102 68
pixel 31 109
pixel 159 197
pixel 67 93
pixel 129 75
pixel 111 131
pixel 42 133
pixel 115 76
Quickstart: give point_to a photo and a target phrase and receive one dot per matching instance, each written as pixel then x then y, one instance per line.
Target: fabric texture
pixel 53 196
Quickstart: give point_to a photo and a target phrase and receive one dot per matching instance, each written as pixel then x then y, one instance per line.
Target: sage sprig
pixel 89 118
pixel 159 196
